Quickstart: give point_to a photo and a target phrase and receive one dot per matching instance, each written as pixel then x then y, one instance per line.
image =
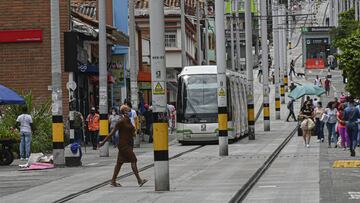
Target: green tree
pixel 346 37
pixel 350 62
pixel 41 115
pixel 347 26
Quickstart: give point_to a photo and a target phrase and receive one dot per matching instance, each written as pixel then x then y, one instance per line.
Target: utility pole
pixel 198 18
pixel 133 65
pixel 336 12
pixel 237 23
pixel 265 65
pixel 183 34
pixel 71 106
pixel 290 22
pixel 158 77
pixel 221 78
pixel 285 47
pixel 249 69
pixel 232 45
pixel 206 33
pixel 276 57
pixel 103 94
pixel 331 15
pixel 57 111
pixel 282 55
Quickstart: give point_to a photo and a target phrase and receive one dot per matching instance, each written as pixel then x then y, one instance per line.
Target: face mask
pixel 113 113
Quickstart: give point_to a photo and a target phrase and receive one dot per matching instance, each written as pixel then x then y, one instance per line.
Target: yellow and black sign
pixel 159 89
pixel 346 164
pixel 222 92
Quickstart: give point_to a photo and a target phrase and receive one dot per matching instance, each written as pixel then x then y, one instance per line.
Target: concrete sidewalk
pixel 199 176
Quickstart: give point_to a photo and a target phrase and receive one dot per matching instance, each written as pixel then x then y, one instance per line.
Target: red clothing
pixel 327 83
pixel 93 122
pixel 340 115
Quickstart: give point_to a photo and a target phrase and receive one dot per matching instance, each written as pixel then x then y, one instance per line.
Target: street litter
pixel 38 161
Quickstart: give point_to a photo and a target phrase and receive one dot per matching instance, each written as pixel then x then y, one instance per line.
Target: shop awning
pixel 89 27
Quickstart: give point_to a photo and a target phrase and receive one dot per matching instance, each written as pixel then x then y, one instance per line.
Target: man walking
pixel 93 126
pixel 351 116
pixel 24 121
pixel 292 68
pixel 290 106
pixel 327 84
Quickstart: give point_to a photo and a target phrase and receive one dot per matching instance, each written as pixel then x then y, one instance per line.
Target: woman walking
pixel 345 142
pixel 331 123
pixel 319 124
pixel 308 124
pixel 125 146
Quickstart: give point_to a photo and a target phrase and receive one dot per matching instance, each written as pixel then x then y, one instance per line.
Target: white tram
pixel 197 118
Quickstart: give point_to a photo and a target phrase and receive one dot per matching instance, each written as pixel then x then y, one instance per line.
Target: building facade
pixel 25 65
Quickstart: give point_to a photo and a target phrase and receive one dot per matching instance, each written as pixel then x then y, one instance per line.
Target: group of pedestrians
pixel 341 119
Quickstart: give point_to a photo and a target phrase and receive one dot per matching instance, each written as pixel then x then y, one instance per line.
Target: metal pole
pixel 183 34
pixel 237 27
pixel 232 40
pixel 265 64
pixel 198 18
pixel 289 18
pixel 276 58
pixel 282 55
pixel 285 47
pixel 133 65
pixel 103 95
pixel 71 107
pixel 331 15
pixel 336 12
pixel 206 33
pixel 158 77
pixel 221 77
pixel 249 69
pixel 57 111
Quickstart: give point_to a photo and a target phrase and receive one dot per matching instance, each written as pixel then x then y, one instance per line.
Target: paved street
pixel 275 167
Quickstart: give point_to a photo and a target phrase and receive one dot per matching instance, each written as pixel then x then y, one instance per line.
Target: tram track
pixel 105 183
pixel 241 194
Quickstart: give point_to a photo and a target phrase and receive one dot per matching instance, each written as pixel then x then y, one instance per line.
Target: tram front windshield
pixel 200 97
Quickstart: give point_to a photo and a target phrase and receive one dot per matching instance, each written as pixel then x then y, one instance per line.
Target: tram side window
pixel 229 101
pixel 180 105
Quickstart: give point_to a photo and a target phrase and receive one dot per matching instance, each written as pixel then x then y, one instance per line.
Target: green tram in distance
pixel 197 108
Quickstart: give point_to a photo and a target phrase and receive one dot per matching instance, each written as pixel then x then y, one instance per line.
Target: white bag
pixel 324 118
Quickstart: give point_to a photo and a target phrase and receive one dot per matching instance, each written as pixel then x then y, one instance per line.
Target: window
pixel 170 39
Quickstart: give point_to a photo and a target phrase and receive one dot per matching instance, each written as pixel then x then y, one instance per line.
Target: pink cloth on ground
pixel 40 166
